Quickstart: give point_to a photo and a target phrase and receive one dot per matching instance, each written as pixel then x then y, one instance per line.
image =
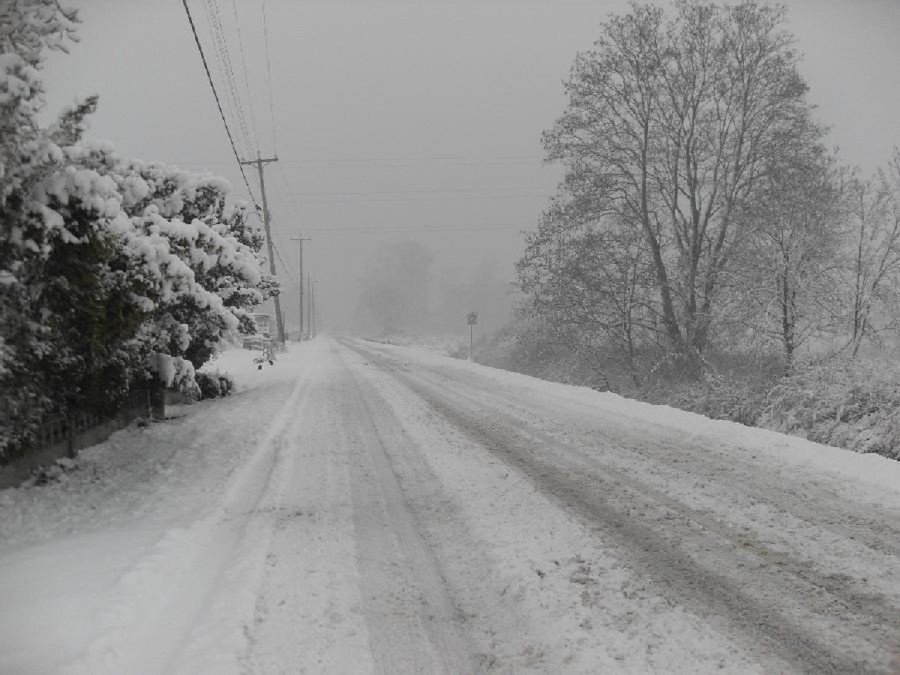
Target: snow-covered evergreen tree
pixel 112 271
pixel 28 28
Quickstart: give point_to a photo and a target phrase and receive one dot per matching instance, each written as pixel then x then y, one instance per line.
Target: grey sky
pixel 410 120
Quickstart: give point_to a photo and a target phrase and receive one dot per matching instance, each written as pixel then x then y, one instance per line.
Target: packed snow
pixel 370 508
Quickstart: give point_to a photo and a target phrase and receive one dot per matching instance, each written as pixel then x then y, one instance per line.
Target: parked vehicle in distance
pixel 265 327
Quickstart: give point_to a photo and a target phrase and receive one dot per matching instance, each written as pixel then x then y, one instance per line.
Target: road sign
pixel 472 318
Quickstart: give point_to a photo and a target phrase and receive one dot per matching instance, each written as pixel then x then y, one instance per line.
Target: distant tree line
pixel 403 292
pixel 701 211
pixel 113 272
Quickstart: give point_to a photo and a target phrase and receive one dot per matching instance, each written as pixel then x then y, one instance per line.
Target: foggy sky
pixel 409 120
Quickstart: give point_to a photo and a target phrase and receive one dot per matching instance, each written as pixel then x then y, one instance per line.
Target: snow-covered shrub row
pixel 723 397
pixel 113 272
pixel 850 404
pixel 214 384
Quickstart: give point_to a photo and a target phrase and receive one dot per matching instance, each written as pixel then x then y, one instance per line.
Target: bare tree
pixel 670 123
pixel 590 282
pixel 790 266
pixel 873 261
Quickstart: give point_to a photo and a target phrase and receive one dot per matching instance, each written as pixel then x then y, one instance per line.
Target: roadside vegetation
pixel 706 249
pixel 114 273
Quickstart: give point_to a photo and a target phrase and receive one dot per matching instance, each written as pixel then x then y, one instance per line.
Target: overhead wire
pixel 290 208
pixel 284 266
pixel 269 74
pixel 393 229
pixel 424 199
pixel 217 30
pixel 287 190
pixel 409 159
pixel 367 162
pixel 218 61
pixel 219 105
pixel 223 77
pixel 227 74
pixel 237 23
pixel 231 139
pixel 500 191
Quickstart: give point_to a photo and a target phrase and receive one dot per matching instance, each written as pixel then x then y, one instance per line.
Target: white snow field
pixel 366 508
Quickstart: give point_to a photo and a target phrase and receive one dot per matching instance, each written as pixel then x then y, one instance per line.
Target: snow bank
pixel 776 447
pixel 89 558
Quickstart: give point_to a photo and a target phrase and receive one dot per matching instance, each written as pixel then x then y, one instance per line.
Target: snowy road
pixel 368 508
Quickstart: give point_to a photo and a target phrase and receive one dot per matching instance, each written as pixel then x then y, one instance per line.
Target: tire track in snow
pixel 618 506
pixel 858 536
pixel 870 525
pixel 196 562
pixel 610 508
pixel 539 592
pixel 414 625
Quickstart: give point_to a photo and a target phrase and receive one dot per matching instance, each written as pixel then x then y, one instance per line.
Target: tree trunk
pixel 788 334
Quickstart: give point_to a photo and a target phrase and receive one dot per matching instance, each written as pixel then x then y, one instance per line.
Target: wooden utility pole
pixel 260 163
pixel 311 303
pixel 301 239
pixel 315 311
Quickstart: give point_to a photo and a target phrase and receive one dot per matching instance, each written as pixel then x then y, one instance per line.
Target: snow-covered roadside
pixel 721 512
pixel 867 471
pixel 379 509
pixel 538 591
pixel 87 560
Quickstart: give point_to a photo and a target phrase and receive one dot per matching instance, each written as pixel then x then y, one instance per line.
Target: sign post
pixel 471 319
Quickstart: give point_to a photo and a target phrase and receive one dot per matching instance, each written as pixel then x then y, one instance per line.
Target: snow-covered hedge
pixel 112 271
pixel 214 384
pixel 850 404
pixel 853 404
pixel 719 396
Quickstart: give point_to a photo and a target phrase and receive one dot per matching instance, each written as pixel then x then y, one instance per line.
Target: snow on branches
pixel 112 271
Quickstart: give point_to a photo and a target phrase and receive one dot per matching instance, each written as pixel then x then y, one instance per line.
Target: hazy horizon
pixel 401 121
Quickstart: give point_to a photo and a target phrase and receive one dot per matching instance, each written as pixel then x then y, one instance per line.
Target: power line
pixel 228 100
pixel 269 73
pixel 219 104
pixel 363 229
pixel 526 191
pixel 220 69
pixel 288 192
pixel 237 23
pixel 284 266
pixel 366 162
pixel 501 160
pixel 220 41
pixel 351 201
pixel 218 33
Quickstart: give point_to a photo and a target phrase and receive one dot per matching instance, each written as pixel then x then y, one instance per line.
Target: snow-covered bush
pixel 528 347
pixel 214 384
pixel 28 28
pixel 850 404
pixel 113 272
pixel 725 397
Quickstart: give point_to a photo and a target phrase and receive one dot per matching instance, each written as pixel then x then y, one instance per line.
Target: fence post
pixel 70 436
pixel 157 400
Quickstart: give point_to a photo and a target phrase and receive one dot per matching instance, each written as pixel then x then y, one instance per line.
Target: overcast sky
pixel 407 119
